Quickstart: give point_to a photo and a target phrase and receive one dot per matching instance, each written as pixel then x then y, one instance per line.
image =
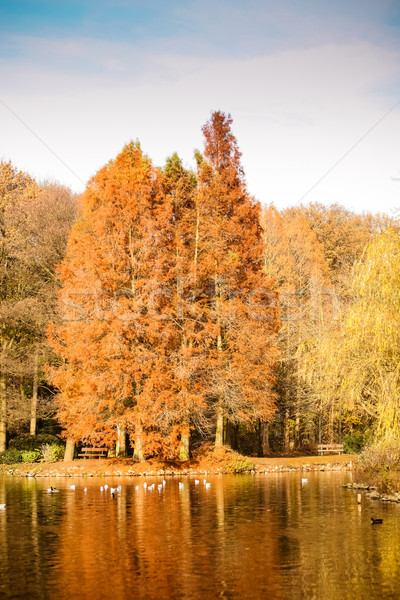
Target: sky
pixel 313 87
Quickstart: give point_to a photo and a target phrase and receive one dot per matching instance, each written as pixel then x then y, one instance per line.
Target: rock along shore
pixel 372 493
pixel 127 468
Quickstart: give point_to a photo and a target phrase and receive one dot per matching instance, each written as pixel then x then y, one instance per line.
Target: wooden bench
pixel 94 452
pixel 330 448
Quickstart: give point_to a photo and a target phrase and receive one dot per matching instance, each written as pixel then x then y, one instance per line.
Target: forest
pixel 164 308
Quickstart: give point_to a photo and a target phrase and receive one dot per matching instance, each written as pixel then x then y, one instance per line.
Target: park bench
pixel 330 448
pixel 93 452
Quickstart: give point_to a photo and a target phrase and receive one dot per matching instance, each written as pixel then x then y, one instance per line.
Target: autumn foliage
pixel 183 314
pixel 169 323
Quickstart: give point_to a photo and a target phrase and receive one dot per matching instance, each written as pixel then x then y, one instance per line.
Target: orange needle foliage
pixel 106 340
pixel 242 307
pixel 168 321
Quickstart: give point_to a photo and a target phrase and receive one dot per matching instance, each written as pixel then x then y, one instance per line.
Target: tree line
pixel 164 307
pixel 34 224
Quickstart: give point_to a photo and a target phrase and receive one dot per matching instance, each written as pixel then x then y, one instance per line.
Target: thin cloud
pixel 301 83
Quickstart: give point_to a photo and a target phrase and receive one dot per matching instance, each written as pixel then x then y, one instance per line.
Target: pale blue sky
pixel 304 81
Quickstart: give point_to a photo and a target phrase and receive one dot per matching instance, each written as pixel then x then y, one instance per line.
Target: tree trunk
pixel 138 454
pixel 69 450
pixel 34 400
pixel 266 449
pixel 235 437
pixel 22 391
pixel 112 451
pixel 184 450
pixel 3 412
pixel 219 433
pixel 320 428
pixel 220 430
pixel 120 449
pixel 297 430
pixel 286 437
pixel 331 424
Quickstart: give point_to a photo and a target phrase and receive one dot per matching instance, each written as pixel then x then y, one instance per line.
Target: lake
pixel 246 536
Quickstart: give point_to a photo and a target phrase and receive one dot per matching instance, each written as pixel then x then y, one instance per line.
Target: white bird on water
pixel 304 480
pixel 2 506
pixel 72 487
pixel 105 486
pixel 208 485
pixel 196 482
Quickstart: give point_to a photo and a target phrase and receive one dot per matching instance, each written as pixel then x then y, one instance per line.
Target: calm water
pixel 263 536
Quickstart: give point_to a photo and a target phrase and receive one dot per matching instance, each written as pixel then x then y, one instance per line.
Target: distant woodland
pixel 164 308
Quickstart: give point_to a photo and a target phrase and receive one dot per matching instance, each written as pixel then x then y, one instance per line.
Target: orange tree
pixel 168 322
pixel 107 372
pixel 240 311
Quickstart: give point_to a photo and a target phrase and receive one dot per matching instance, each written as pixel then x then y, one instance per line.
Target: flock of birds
pixel 115 490
pixel 160 487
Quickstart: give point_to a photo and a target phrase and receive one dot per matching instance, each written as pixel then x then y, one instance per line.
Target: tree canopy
pixel 172 308
pixel 169 322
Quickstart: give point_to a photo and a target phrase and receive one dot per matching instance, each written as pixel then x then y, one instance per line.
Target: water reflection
pixel 246 537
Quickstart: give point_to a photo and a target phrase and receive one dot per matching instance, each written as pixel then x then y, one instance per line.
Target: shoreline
pixel 125 467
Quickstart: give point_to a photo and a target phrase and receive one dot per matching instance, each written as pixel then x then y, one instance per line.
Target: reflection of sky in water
pixel 244 537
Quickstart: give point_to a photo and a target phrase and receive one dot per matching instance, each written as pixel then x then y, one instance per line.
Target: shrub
pixel 10 456
pixel 353 443
pixel 381 456
pixel 228 460
pixel 240 465
pixel 52 452
pixel 33 442
pixel 30 456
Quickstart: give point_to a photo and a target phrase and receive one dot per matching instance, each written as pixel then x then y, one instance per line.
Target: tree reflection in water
pixel 245 537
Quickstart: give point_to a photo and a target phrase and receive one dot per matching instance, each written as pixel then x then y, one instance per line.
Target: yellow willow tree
pixel 361 362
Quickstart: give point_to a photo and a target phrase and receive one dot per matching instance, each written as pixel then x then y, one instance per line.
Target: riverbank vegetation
pixel 379 465
pixel 165 308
